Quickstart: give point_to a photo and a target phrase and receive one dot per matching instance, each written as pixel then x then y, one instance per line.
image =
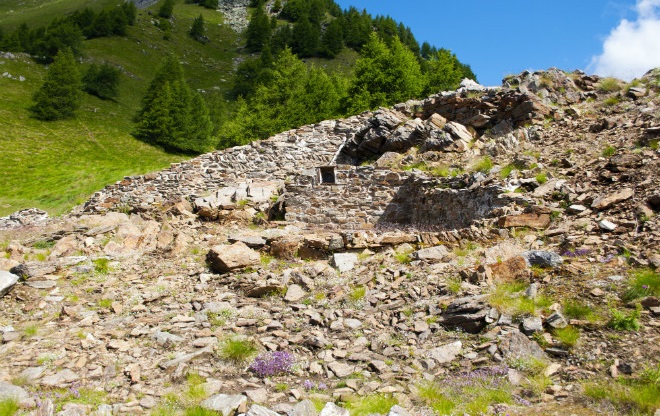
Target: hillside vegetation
pixel 55 165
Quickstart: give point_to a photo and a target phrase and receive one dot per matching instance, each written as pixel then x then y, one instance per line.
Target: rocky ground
pixel 551 307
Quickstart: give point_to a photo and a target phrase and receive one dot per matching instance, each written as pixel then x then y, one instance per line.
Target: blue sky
pixel 498 37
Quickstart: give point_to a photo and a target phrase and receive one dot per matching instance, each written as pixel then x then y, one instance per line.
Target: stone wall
pixel 357 199
pixel 274 159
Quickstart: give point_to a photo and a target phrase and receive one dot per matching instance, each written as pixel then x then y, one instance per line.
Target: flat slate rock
pixel 7 281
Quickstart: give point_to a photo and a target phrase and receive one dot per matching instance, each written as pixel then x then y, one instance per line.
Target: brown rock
pixel 225 258
pixel 514 268
pixel 531 220
pixel 285 248
pixel 605 202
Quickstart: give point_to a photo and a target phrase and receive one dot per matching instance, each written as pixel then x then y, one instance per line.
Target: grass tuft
pixel 644 282
pixel 622 321
pixel 8 407
pixel 483 165
pixel 609 85
pixel 372 404
pixel 568 336
pixel 237 350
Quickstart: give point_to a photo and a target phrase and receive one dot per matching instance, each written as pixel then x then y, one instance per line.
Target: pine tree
pixel 258 30
pixel 332 41
pixel 306 38
pixel 166 9
pixel 102 81
pixel 173 115
pixel 197 30
pixel 444 72
pixel 59 96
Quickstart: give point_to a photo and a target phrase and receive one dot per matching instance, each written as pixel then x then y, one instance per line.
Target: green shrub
pixel 508 298
pixel 357 293
pixel 609 85
pixel 611 101
pixel 622 321
pixel 483 165
pixel 101 265
pixel 608 151
pixel 541 178
pixel 574 309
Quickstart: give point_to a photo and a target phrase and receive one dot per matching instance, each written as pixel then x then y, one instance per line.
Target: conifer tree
pixel 59 96
pixel 197 30
pixel 306 38
pixel 102 81
pixel 173 115
pixel 166 9
pixel 258 30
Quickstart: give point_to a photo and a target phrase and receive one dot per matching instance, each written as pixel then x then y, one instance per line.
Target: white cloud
pixel 633 47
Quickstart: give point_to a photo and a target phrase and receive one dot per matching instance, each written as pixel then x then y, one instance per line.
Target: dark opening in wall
pixel 327 174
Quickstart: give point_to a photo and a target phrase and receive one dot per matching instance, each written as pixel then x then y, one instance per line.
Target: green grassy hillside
pixel 55 165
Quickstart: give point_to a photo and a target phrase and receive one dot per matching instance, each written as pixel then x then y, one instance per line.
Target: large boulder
pixel 225 258
pixel 7 281
pixel 470 314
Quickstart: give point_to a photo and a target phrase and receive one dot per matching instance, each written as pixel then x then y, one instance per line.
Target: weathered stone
pixel 256 410
pixel 514 268
pixel 605 202
pixel 251 241
pixel 7 281
pixel 331 409
pixel 185 358
pixel 543 258
pixel 397 410
pixel 226 404
pixel 9 391
pixel 531 220
pixel 469 314
pixel 344 261
pixel 294 293
pixel 446 353
pixel 606 225
pixel 166 338
pixel 532 324
pixel 265 290
pixel 458 131
pixel 517 345
pixel 225 258
pixel 60 379
pixel 34 269
pixel 340 369
pixel 304 408
pixel 431 254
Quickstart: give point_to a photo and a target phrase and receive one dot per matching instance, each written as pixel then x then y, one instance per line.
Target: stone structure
pixel 317 165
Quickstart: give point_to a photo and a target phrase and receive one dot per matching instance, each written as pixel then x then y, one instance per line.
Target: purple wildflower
pixel 322 386
pixel 308 385
pixel 272 363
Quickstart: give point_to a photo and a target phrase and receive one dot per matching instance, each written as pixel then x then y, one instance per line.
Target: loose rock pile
pixel 241 283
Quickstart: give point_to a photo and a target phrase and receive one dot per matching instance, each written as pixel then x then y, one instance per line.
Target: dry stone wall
pixel 274 159
pixel 357 199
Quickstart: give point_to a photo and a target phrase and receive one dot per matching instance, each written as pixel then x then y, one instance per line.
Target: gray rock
pixel 304 408
pixel 340 369
pixel 165 337
pixel 257 395
pixel 532 324
pixel 344 261
pixel 604 202
pixel 397 410
pixel 225 258
pixel 7 281
pixel 458 131
pixel 606 225
pixel 331 409
pixel 576 209
pixel 469 314
pixel 248 240
pixel 543 258
pixel 446 353
pixel 9 391
pixel 556 320
pixel 41 284
pixel 516 345
pixel 60 379
pixel 436 253
pixel 185 358
pixel 257 410
pixel 34 269
pixel 294 293
pixel 225 404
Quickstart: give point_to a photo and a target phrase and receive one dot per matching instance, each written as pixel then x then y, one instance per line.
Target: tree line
pixel 69 32
pixel 274 92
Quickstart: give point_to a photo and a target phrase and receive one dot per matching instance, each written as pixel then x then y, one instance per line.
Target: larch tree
pixel 60 94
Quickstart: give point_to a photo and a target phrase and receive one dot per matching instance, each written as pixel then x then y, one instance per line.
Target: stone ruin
pixel 315 173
